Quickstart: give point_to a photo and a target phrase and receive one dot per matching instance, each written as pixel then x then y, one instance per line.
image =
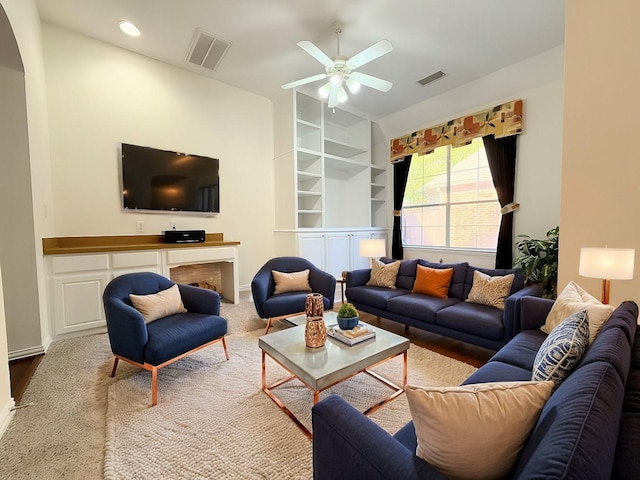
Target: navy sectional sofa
pixel 482 325
pixel 588 429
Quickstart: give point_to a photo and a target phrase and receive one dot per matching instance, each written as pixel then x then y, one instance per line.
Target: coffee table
pixel 288 349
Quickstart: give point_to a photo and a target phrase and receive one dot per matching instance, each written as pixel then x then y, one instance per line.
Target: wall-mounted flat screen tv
pixel 165 181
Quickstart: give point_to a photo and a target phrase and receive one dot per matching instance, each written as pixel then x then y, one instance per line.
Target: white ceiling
pixel 466 39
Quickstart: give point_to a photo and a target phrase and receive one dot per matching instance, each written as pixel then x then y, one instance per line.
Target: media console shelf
pixel 79 268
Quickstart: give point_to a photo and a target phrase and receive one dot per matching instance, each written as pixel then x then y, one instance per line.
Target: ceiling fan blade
pixel 369 81
pixel 374 51
pixel 316 53
pixel 333 97
pixel 304 81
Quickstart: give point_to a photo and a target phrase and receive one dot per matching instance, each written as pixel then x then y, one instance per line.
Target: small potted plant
pixel 347 316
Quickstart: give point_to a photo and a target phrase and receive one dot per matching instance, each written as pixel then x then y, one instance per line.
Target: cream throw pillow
pixel 291 282
pixel 158 305
pixel 384 274
pixel 488 290
pixel 574 299
pixel 475 431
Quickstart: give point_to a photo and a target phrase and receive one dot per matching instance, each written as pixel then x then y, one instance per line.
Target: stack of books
pixel 357 334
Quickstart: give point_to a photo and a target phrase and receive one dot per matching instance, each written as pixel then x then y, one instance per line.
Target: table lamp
pixel 607 264
pixel 373 247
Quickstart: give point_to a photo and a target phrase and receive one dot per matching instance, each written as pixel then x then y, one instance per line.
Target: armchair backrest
pixel 140 283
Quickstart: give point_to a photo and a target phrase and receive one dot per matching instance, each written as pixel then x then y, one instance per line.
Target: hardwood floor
pixel 21 372
pixel 464 352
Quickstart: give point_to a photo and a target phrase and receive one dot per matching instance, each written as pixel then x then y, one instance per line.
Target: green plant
pixel 347 310
pixel 539 261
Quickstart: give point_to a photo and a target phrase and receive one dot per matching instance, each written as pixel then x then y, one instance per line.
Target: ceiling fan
pixel 340 70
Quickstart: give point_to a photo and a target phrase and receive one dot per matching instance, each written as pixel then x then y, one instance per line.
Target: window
pixel 450 200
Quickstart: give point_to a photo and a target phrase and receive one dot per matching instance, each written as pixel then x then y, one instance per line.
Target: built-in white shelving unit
pixel 331 188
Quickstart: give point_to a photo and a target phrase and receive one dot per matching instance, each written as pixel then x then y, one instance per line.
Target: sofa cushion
pixel 475 431
pixel 495 371
pixel 518 280
pixel 419 307
pixel 456 287
pixel 573 299
pixel 406 273
pixel 157 305
pixel 291 281
pixel 611 345
pixel 373 296
pixel 521 351
pixel 480 320
pixel 575 437
pixel 433 281
pixel 383 274
pixel 562 350
pixel 492 291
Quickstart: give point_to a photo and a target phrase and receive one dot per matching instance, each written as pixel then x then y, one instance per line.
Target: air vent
pixel 431 78
pixel 206 50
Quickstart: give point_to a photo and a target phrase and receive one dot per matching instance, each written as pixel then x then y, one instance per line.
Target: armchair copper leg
pixel 268 325
pixel 115 366
pixel 154 386
pixel 224 344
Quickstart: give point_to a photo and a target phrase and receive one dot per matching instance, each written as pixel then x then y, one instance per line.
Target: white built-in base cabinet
pixel 335 252
pixel 77 281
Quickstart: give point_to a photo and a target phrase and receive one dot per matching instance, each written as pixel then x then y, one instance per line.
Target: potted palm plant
pixel 538 258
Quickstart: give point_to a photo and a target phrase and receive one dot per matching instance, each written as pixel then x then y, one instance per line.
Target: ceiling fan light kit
pixel 339 70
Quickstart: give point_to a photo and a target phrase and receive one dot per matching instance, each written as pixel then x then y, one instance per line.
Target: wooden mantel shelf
pixel 118 243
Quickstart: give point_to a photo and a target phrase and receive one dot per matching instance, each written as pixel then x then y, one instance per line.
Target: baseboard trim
pixel 27 352
pixel 6 415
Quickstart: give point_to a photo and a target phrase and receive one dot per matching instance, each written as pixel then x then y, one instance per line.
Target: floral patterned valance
pixel 502 121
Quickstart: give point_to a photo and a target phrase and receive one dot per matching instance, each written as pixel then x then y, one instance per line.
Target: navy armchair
pixel 283 305
pixel 161 342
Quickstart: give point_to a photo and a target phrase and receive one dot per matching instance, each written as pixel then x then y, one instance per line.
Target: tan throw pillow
pixel 383 274
pixel 433 281
pixel 574 299
pixel 158 305
pixel 491 291
pixel 475 431
pixel 291 282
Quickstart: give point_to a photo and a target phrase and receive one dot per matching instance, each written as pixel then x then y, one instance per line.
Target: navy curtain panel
pixel 501 155
pixel 400 175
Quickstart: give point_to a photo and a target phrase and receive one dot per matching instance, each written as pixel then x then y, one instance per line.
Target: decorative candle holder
pixel 315 332
pixel 314 306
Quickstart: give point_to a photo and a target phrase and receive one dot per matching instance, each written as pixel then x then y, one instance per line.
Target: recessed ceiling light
pixel 129 28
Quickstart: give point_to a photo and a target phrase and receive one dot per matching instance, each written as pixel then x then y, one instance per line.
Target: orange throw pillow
pixel 433 281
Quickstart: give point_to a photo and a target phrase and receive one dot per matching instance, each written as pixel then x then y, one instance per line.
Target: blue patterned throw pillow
pixel 562 350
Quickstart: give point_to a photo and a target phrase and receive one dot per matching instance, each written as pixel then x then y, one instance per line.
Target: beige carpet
pixel 212 420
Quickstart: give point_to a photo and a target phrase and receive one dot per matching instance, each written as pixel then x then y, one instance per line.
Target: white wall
pixel 539 82
pixel 100 96
pixel 600 165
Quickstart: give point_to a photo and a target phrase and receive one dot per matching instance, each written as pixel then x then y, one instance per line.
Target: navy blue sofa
pixel 576 434
pixel 481 325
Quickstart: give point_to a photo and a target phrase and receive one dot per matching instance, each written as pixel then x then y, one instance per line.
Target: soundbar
pixel 183 236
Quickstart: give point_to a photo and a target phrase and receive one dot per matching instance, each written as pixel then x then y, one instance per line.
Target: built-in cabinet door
pixel 337 249
pixel 311 247
pixel 77 301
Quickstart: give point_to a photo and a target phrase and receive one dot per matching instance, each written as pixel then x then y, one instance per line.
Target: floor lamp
pixel 607 264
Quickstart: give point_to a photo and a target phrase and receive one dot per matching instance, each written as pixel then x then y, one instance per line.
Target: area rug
pixel 213 420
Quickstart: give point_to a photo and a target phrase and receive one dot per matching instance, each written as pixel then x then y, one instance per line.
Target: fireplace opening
pixel 205 275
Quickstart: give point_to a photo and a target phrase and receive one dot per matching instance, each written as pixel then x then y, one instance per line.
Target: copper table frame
pixel 397 391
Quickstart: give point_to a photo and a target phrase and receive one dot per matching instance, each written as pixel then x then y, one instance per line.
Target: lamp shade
pixel 373 247
pixel 607 263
